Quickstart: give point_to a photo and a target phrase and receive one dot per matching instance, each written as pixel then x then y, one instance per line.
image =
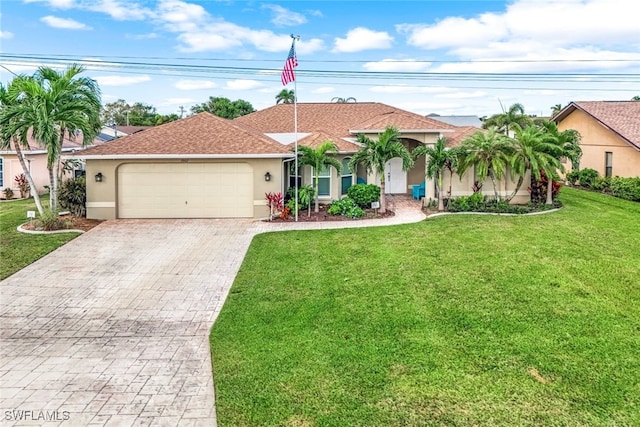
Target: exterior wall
pixel 37 164
pixel 102 196
pixel 596 140
pixel 463 186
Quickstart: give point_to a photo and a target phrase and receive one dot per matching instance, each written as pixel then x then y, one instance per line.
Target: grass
pixel 17 250
pixel 455 321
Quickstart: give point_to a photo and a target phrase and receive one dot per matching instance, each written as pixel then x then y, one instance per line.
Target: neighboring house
pixel 36 157
pixel 458 120
pixel 610 135
pixel 206 166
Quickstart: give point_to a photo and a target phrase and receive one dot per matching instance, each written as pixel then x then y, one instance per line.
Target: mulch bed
pixel 303 216
pixel 73 222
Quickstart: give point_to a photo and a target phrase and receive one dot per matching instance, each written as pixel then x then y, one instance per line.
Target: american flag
pixel 292 62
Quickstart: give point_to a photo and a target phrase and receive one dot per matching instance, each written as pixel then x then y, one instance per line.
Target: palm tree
pixel 375 154
pixel 54 105
pixel 561 144
pixel 7 102
pixel 531 152
pixel 319 158
pixel 503 122
pixel 343 100
pixel 489 153
pixel 286 97
pixel 556 109
pixel 437 157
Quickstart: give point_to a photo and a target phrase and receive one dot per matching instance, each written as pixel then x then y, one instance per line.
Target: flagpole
pixel 295 127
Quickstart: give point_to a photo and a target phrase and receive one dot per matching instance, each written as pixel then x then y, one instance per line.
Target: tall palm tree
pixel 285 96
pixel 437 158
pixel 375 154
pixel 561 144
pixel 531 153
pixel 7 102
pixel 343 100
pixel 556 109
pixel 489 153
pixel 318 158
pixel 55 105
pixel 504 122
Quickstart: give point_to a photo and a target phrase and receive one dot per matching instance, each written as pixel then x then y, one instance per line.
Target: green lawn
pixel 17 250
pixel 455 321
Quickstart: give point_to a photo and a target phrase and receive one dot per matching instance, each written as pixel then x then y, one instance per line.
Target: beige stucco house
pixel 610 135
pixel 206 166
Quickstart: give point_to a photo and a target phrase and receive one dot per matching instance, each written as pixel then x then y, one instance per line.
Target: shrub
pixel 345 207
pixel 538 189
pixel 470 203
pixel 8 193
pixel 72 195
pixel 573 176
pixel 587 177
pixel 274 203
pixel 601 183
pixel 305 196
pixel 626 188
pixel 23 185
pixel 364 194
pixel 50 220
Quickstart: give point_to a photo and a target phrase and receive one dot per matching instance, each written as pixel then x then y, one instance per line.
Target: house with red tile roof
pixel 610 135
pixel 207 166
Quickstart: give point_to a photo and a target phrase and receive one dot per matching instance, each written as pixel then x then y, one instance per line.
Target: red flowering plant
pixel 275 203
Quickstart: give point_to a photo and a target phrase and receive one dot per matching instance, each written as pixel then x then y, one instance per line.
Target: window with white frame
pixel 608 164
pixel 1 172
pixel 347 176
pixel 324 181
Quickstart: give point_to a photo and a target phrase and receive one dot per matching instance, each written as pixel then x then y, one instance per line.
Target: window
pixel 608 163
pixel 324 181
pixel 347 176
pixel 1 172
pixel 293 175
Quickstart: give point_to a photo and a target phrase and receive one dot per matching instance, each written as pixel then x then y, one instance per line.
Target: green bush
pixel 305 196
pixel 8 193
pixel 345 207
pixel 50 220
pixel 601 183
pixel 573 176
pixel 626 188
pixel 476 203
pixel 470 203
pixel 72 195
pixel 587 177
pixel 364 194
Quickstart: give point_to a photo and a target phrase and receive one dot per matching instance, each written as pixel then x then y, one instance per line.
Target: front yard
pixel 459 320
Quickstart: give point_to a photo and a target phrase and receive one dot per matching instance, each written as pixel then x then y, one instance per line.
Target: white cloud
pixel 119 10
pixel 388 65
pixel 56 4
pixel 64 23
pixel 242 84
pixel 148 36
pixel 462 95
pixel 325 89
pixel 121 80
pixel 6 34
pixel 194 84
pixel 408 89
pixel 283 17
pixel 361 38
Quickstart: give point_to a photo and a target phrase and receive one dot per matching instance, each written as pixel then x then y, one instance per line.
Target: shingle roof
pixel 314 139
pixel 335 118
pixel 460 134
pixel 201 134
pixel 622 117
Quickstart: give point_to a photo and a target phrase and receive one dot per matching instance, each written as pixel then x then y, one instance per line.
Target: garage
pixel 185 190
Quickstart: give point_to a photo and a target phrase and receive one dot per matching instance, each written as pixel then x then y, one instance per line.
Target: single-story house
pixel 207 166
pixel 610 135
pixel 36 157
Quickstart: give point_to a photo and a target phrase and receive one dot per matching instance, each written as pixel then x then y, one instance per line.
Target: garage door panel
pixel 185 190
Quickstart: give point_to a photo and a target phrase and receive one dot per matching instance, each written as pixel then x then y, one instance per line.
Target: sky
pixel 443 57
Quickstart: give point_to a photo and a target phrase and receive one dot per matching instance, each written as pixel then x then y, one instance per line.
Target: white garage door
pixel 185 190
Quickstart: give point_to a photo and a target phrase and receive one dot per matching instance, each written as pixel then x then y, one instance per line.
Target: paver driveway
pixel 112 328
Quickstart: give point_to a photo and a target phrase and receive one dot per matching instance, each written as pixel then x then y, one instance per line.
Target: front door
pixel 396 178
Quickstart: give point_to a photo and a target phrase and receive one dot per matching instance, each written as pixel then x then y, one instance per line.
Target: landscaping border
pixel 70 230
pixel 434 215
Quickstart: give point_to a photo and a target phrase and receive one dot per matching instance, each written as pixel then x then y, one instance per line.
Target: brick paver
pixel 112 328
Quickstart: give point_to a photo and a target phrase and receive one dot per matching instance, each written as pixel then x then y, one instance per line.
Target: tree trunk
pixel 450 184
pixel 549 190
pixel 493 181
pixel 317 208
pixel 383 202
pixel 518 185
pixel 27 174
pixel 439 188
